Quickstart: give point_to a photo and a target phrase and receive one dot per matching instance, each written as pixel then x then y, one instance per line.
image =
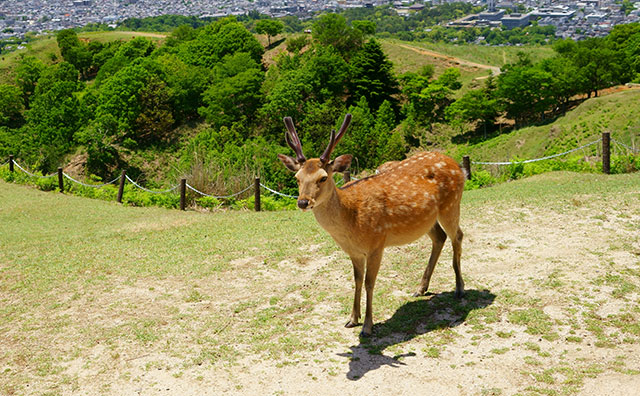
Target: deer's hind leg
pixel 438 237
pixel 450 222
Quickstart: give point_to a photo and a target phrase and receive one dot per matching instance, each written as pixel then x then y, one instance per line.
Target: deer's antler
pixel 335 139
pixel 293 141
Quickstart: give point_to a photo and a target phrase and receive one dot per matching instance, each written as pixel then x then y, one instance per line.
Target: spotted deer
pixel 405 200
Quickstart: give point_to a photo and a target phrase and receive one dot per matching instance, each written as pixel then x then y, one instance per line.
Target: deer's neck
pixel 336 217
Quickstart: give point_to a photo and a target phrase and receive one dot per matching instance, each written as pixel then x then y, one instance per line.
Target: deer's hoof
pixel 459 293
pixel 419 293
pixel 351 324
pixel 363 334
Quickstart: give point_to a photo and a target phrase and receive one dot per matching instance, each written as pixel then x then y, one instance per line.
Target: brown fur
pixel 420 195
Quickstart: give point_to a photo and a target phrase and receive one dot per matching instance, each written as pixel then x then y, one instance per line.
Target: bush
pixel 625 163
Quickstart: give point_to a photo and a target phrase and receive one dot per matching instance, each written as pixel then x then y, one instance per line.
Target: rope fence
pixel 90 185
pixel 217 196
pixel 538 159
pixel 150 191
pixel 257 186
pixel 635 150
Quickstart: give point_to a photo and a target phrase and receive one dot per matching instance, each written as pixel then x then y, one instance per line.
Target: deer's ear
pixel 289 162
pixel 342 163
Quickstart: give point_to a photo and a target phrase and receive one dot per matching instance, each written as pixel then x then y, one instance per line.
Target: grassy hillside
pixel 46 49
pixel 97 298
pixel 617 113
pixel 493 56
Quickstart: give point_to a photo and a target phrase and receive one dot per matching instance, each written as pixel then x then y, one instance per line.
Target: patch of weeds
pixel 551 336
pixel 491 392
pixel 145 331
pixel 432 352
pixel 552 281
pixel 535 319
pixel 504 334
pixel 575 339
pixel 195 297
pixel 541 391
pixel 532 346
pixel 530 360
pixel 500 351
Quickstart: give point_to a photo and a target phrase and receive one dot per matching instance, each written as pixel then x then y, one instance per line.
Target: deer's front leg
pixel 373 265
pixel 358 277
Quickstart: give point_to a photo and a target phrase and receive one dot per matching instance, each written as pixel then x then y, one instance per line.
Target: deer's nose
pixel 303 203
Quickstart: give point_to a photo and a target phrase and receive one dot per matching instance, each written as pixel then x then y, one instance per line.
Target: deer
pixel 406 200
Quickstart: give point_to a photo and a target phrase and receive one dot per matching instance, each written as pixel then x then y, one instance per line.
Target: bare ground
pixel 551 308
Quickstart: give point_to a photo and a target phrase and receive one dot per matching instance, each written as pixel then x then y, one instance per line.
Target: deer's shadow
pixel 421 316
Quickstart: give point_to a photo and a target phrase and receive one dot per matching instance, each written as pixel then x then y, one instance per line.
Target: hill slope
pixel 618 113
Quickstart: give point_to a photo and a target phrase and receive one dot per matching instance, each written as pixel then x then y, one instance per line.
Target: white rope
pixel 216 196
pixel 277 193
pixel 31 174
pixel 636 150
pixel 536 159
pixel 6 163
pixel 150 191
pixel 90 185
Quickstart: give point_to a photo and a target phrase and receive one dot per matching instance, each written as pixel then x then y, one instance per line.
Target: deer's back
pixel 403 202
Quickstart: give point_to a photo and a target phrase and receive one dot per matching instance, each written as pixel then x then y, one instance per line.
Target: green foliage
pixel 296 43
pixel 332 29
pixel 372 75
pixel 270 27
pixel 214 41
pixel 11 106
pixel 235 93
pixel 27 74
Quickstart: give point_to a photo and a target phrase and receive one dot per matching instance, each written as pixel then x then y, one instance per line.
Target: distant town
pixel 576 20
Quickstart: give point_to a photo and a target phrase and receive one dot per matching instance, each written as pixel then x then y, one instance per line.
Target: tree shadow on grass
pixel 421 316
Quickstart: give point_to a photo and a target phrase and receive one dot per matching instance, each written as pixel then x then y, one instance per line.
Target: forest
pixel 207 97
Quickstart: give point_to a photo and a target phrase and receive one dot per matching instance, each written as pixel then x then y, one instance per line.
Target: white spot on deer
pixel 440 164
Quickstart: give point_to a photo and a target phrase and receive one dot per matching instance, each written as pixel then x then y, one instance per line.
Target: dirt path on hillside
pixel 494 69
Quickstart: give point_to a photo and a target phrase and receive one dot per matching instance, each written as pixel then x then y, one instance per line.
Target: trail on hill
pixel 494 69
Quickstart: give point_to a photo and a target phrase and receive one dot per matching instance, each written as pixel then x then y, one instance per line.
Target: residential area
pixel 577 20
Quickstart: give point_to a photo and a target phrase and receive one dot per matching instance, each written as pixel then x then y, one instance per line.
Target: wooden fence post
pixel 60 180
pixel 466 164
pixel 257 194
pixel 123 177
pixel 11 163
pixel 606 153
pixel 183 193
pixel 346 175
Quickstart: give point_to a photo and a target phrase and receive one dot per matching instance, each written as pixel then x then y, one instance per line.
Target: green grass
pixel 494 56
pixel 94 284
pixel 617 113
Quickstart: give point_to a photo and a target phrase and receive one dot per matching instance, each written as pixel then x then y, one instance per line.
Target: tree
pixel 372 76
pixel 526 92
pixel 475 105
pixel 73 50
pixel 27 74
pixel 11 106
pixel 55 114
pixel 223 37
pixel 427 99
pixel 332 29
pixel 270 27
pixel 235 93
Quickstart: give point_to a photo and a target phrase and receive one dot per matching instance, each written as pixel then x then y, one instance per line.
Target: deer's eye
pixel 323 179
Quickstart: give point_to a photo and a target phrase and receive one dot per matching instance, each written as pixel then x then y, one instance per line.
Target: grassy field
pixel 493 56
pixel 96 298
pixel 616 113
